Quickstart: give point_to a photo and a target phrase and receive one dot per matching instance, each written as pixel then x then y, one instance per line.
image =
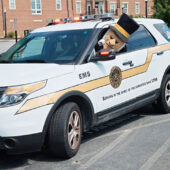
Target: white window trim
pixel 14 5
pixel 136 8
pixel 114 6
pixel 80 7
pixel 60 5
pixel 37 9
pixel 127 6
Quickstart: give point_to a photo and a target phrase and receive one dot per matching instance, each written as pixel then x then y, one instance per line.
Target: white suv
pixel 55 84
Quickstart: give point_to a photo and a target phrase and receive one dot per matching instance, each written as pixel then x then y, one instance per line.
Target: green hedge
pixel 11 34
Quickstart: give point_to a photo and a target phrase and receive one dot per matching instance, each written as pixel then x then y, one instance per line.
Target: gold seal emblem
pixel 115 77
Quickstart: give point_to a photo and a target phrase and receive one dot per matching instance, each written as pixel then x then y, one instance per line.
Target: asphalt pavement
pixel 139 140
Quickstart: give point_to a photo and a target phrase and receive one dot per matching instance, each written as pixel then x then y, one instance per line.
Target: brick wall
pixel 132 6
pixel 1 24
pixel 27 21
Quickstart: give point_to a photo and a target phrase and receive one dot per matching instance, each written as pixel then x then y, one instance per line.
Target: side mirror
pixel 104 55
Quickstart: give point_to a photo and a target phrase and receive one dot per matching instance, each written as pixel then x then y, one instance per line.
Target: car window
pixel 140 39
pixel 60 47
pixel 164 30
pixel 32 48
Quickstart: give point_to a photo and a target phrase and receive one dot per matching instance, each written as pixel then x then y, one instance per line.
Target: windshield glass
pixel 49 47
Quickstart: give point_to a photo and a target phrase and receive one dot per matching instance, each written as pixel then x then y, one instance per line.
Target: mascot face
pixel 113 41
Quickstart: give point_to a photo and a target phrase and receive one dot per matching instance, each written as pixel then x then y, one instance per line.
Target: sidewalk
pixel 6 40
pixel 5 44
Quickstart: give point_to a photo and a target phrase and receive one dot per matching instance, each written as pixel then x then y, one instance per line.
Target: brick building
pixel 31 14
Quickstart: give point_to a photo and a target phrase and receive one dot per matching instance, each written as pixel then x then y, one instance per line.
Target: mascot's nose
pixel 113 42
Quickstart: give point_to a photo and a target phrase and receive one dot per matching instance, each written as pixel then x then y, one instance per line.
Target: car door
pixel 133 77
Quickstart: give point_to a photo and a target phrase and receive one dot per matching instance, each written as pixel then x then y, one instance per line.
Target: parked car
pixel 55 84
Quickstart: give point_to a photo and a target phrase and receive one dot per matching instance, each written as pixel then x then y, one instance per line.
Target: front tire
pixel 163 103
pixel 65 131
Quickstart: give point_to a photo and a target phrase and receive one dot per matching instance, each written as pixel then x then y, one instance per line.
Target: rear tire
pixel 65 131
pixel 163 103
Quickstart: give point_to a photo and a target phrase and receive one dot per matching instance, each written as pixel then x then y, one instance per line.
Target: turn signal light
pixel 104 53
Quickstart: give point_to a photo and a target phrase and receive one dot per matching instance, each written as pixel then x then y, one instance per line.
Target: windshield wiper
pixel 30 61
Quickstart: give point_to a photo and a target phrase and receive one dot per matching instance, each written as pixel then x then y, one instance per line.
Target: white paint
pixel 61 77
pixel 28 73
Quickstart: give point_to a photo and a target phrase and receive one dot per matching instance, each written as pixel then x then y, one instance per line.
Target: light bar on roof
pixel 106 15
pixel 78 18
pixel 82 18
pixel 67 19
pixel 57 21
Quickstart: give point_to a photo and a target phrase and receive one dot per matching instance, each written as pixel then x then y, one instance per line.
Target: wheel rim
pixel 167 93
pixel 74 130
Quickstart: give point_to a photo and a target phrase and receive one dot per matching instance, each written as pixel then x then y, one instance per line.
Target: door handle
pixel 160 53
pixel 128 63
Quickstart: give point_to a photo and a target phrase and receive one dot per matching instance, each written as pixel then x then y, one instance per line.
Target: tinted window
pixel 164 30
pixel 31 49
pixel 51 47
pixel 139 40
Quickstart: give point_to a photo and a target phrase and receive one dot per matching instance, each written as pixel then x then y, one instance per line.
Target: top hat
pixel 125 27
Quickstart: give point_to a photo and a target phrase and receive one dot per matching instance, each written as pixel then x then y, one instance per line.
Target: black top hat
pixel 125 27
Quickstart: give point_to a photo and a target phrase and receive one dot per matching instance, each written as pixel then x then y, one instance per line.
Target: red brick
pixel 26 21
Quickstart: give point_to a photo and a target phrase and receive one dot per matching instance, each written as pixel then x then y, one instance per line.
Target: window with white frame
pixel 12 4
pixel 125 7
pixel 137 8
pixel 78 7
pixel 58 4
pixel 36 7
pixel 112 7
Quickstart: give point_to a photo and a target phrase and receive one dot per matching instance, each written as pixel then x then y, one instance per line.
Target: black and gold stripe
pixel 122 30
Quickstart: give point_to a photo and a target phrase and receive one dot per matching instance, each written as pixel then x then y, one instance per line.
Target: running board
pixel 126 107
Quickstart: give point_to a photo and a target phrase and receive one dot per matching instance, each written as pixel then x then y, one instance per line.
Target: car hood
pixel 17 74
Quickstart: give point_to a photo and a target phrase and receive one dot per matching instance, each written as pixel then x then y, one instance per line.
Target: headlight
pixel 15 95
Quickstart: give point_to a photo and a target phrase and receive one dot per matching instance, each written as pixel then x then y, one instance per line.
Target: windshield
pixel 49 47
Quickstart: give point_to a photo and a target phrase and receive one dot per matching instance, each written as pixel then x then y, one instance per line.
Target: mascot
pixel 117 36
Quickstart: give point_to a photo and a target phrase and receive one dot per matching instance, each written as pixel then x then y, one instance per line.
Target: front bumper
pixel 30 122
pixel 22 144
pixel 24 132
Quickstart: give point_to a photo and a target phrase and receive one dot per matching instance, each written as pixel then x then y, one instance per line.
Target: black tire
pixel 60 131
pixel 162 105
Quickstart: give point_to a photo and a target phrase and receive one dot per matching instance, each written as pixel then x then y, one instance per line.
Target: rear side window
pixel 140 39
pixel 164 30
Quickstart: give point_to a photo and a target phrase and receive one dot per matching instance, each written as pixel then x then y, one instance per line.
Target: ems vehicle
pixel 55 84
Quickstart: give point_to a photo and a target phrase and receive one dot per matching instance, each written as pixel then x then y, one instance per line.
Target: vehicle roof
pixel 91 25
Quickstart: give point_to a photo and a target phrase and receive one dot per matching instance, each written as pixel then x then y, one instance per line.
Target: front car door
pixel 134 77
